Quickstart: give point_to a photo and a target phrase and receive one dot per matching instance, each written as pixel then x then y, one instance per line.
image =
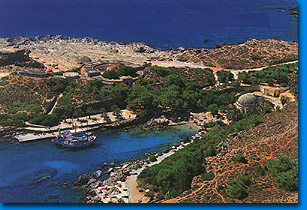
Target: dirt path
pixel 131 182
pixel 135 195
pixel 236 72
pixel 180 64
pixel 58 97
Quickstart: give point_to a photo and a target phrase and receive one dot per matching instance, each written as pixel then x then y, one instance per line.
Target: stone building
pixel 272 91
pixel 71 75
pixel 89 71
pixel 34 73
pixel 287 96
pixel 264 88
pixel 246 102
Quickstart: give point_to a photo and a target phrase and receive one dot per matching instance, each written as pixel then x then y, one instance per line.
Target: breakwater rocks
pixel 7 134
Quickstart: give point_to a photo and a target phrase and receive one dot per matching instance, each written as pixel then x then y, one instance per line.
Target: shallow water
pixel 37 171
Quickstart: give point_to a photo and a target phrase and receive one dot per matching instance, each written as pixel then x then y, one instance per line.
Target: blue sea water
pixel 160 23
pixel 38 171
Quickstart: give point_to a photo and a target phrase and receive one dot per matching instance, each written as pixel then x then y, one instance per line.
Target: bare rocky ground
pixel 275 137
pixel 62 53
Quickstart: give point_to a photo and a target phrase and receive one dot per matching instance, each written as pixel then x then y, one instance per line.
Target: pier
pixel 40 136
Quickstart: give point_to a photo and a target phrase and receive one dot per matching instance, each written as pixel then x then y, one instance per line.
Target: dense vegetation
pixel 281 74
pixel 285 172
pixel 203 77
pixel 225 76
pixel 238 188
pixel 81 98
pixel 174 174
pixel 172 89
pixel 122 71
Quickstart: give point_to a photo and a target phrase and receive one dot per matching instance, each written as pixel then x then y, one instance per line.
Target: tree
pixel 294 91
pixel 213 108
pixel 240 158
pixel 283 100
pixel 208 176
pixel 160 71
pixel 237 189
pixel 89 111
pixel 103 112
pixel 174 80
pixel 105 116
pixel 172 98
pixel 142 114
pixel 224 76
pixel 140 97
pixel 111 74
pixel 126 70
pixel 116 111
pixel 47 120
pixel 285 172
pixel 190 98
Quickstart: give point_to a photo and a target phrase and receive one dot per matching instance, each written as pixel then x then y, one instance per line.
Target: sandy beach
pixel 131 182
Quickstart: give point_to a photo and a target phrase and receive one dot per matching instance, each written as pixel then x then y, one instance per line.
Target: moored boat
pixel 79 141
pixel 74 139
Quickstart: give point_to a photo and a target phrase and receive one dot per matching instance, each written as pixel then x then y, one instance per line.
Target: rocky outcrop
pixel 84 60
pixel 82 179
pixel 293 11
pixel 18 58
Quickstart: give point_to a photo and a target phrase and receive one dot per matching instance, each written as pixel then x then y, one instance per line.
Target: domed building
pixel 246 101
pixel 71 75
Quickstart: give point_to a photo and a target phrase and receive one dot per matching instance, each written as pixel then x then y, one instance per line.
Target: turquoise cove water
pixel 40 171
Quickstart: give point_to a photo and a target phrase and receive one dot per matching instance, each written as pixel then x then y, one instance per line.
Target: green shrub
pixel 240 158
pixel 207 176
pixel 230 66
pixel 182 59
pixel 138 166
pixel 237 189
pixel 152 158
pixel 256 57
pixel 111 74
pixel 46 120
pixel 285 172
pixel 166 150
pixel 126 70
pixel 246 180
pixel 142 114
pixel 2 83
pixel 261 170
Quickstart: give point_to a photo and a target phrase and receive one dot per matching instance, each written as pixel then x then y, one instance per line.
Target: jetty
pixel 34 136
pixel 39 136
pixel 37 132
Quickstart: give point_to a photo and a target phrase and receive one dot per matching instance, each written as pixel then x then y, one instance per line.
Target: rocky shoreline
pixel 115 188
pixel 63 53
pixel 92 183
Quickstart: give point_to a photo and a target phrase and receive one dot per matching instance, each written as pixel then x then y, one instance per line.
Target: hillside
pixel 251 54
pixel 254 166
